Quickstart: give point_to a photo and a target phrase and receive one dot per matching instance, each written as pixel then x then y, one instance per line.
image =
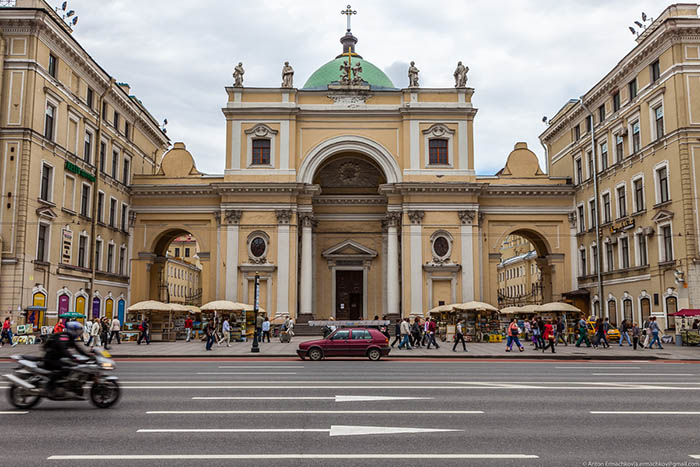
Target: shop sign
pixel 625 224
pixel 67 243
pixel 70 167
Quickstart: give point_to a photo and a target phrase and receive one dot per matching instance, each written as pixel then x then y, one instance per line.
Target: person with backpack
pixel 583 333
pixel 459 336
pixel 513 332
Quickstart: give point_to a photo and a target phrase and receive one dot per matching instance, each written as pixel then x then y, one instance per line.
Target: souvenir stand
pixel 444 320
pixel 684 326
pixel 481 320
pixel 179 318
pixel 522 313
pixel 155 311
pixel 558 310
pixel 277 322
pixel 234 311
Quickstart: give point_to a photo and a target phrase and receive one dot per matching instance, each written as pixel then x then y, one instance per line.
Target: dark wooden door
pixel 348 295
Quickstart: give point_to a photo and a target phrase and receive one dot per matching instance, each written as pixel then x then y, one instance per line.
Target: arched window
pixel 612 310
pixel 671 307
pixel 645 305
pixel 627 309
pixel 438 151
pixel 261 151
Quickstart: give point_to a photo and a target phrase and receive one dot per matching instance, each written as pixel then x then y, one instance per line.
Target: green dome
pixel 330 72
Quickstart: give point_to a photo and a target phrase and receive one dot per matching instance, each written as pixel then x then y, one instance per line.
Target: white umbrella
pixel 512 310
pixel 441 309
pixel 150 305
pixel 475 306
pixel 224 305
pixel 558 306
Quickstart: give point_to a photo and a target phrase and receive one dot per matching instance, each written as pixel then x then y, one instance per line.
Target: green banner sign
pixel 70 167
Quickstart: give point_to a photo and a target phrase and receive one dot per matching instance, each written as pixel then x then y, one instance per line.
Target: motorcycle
pixel 30 382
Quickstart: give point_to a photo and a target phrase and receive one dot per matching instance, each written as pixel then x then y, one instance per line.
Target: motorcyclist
pixel 62 345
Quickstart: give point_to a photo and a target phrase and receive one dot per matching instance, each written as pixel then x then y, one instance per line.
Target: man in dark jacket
pixel 432 329
pixel 397 333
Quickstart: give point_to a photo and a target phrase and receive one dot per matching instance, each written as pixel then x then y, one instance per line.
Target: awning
pixel 685 313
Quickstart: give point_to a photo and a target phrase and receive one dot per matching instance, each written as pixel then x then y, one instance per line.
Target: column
pixel 306 283
pixel 573 255
pixel 232 218
pixel 416 272
pixel 467 219
pixel 392 271
pixel 283 218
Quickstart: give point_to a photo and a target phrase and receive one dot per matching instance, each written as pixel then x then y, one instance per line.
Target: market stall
pixel 481 321
pixel 685 319
pixel 156 312
pixel 235 312
pixel 566 311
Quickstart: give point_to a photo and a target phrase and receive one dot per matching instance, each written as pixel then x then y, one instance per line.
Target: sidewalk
pixel 183 349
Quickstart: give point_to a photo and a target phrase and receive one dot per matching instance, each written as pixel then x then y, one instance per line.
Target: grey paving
pixel 536 408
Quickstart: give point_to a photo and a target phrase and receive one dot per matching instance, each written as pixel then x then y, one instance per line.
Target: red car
pixel 347 342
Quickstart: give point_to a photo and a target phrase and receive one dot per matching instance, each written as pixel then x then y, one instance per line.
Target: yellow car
pixel 613 332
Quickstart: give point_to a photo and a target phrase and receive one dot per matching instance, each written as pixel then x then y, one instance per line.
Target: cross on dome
pixel 348 12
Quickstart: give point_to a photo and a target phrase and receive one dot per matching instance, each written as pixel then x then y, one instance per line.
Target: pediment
pixel 349 249
pixel 46 212
pixel 662 215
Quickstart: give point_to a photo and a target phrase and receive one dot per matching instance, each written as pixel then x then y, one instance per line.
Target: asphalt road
pixel 289 412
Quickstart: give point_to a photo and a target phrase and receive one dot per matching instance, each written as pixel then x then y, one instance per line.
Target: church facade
pixel 350 198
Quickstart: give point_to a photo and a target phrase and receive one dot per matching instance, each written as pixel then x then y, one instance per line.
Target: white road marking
pixel 13 412
pixel 641 412
pixel 597 367
pixel 259 366
pixel 642 374
pixel 695 456
pixel 242 373
pixel 655 386
pixel 315 412
pixel 335 430
pixel 287 456
pixel 309 398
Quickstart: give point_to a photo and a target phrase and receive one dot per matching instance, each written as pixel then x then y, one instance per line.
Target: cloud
pixel 526 57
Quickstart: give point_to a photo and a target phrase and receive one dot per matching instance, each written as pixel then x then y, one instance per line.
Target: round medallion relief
pixel 441 247
pixel 258 247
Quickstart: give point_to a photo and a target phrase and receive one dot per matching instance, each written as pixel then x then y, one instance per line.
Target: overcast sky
pixel 526 57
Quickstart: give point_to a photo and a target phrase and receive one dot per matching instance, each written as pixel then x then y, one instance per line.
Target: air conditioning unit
pixel 648 231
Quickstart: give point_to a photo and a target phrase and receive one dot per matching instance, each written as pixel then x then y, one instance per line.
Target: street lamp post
pixel 256 306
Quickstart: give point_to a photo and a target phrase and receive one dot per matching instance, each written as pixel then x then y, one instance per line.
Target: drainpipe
pixel 599 246
pixel 98 169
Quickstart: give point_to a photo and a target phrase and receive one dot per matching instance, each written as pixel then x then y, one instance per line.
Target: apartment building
pixel 631 146
pixel 519 277
pixel 71 138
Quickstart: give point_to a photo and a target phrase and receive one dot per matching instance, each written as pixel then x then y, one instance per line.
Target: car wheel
pixel 374 354
pixel 315 354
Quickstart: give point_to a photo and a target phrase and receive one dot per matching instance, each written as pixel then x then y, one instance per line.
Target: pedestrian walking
pixel 561 332
pixel 540 325
pixel 188 328
pixel 258 326
pixel 397 333
pixel 655 330
pixel 432 328
pixel 94 334
pixel 7 332
pixel 513 332
pixel 226 329
pixel 104 332
pixel 636 332
pixel 459 336
pixel 145 335
pixel 426 332
pixel 86 331
pixel 527 330
pixel 646 333
pixel 210 331
pixel 417 331
pixel 583 333
pixel 624 329
pixel 266 329
pixel 405 332
pixel 535 328
pixel 548 336
pixel 114 330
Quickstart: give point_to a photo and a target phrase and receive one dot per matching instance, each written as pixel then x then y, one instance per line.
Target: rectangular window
pixel 53 65
pixel 621 202
pixel 619 148
pixel 87 150
pixel 187 252
pixel 577 132
pixel 610 256
pixel 639 195
pixel 581 220
pixel 116 121
pixel 98 255
pixel 126 171
pixel 589 123
pixel 122 260
pixel 261 152
pixel 90 98
pixel 69 192
pixel 601 113
pixel 668 242
pixel 85 201
pixel 100 206
pixel 655 69
pixel 632 88
pixel 662 175
pixel 127 130
pixel 115 164
pixel 177 252
pixel 46 182
pixel 583 271
pixel 625 252
pixel 104 110
pixel 603 156
pixel 659 116
pixel 616 101
pixel 594 259
pixel 636 142
pixel 82 247
pixel 438 151
pixel 49 121
pixel 591 205
pixel 591 167
pixel 103 156
pixel 123 224
pixel 42 246
pixel 642 247
pixel 112 212
pixel 606 208
pixel 110 257
pixel 579 171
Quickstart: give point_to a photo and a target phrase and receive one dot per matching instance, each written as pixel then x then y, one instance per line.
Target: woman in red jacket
pixel 548 336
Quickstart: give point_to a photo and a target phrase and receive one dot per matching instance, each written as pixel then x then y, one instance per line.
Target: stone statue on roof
pixel 356 70
pixel 460 75
pixel 345 73
pixel 287 75
pixel 238 73
pixel 413 75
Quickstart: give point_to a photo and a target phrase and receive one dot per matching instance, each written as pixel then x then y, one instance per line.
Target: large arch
pixel 350 143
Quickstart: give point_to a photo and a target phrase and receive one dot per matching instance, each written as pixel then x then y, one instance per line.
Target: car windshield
pixel 340 334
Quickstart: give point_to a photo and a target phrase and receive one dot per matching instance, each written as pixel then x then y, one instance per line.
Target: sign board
pixel 66 245
pixel 351 323
pixel 625 224
pixel 70 167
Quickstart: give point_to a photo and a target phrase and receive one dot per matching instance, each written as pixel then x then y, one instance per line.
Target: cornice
pixel 172 190
pixel 259 188
pixel 350 200
pixel 443 187
pixel 529 190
